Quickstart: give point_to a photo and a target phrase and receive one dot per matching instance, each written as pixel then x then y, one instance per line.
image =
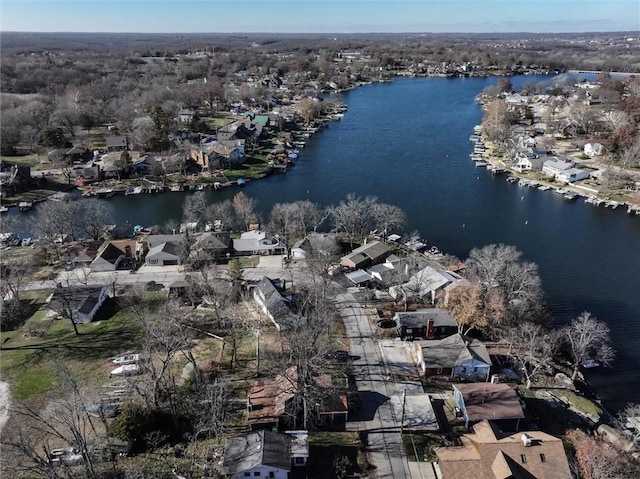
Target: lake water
pixel 407 143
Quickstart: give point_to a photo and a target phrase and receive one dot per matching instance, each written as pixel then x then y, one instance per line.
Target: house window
pixel 523 458
pixel 247 474
pixel 439 371
pixel 272 474
pixel 543 458
pixel 256 474
pixel 298 460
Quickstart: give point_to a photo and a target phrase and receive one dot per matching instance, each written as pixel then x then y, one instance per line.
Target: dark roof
pixel 261 448
pixel 419 318
pixel 274 296
pixel 116 141
pixel 490 401
pixel 78 299
pixel 453 351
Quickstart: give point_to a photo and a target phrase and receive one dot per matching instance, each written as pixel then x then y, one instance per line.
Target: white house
pixel 80 303
pixel 258 242
pixel 593 149
pixel 526 163
pixel 456 356
pixel 261 454
pixel 563 171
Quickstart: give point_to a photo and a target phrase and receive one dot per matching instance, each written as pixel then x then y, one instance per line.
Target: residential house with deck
pixel 258 242
pixel 369 254
pixel 490 453
pixel 496 402
pixel 428 323
pixel 264 454
pixel 117 143
pixel 424 285
pixel 563 171
pixel 457 357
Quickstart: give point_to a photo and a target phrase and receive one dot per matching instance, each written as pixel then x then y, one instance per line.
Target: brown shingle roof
pixel 490 401
pixel 490 454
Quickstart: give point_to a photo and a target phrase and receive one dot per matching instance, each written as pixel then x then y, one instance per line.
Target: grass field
pixel 28 363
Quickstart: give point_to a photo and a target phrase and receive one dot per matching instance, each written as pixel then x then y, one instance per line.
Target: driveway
pixel 376 416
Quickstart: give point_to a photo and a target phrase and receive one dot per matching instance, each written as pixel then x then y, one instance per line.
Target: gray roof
pixel 358 276
pixel 453 351
pixel 261 448
pixel 275 299
pixel 168 248
pixel 557 164
pixel 419 318
pixel 372 250
pixel 77 299
pixel 255 241
pixel 155 240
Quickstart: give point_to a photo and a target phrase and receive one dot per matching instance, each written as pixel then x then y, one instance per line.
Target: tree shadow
pixel 367 405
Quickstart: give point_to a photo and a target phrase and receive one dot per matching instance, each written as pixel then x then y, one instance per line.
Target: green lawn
pixel 28 362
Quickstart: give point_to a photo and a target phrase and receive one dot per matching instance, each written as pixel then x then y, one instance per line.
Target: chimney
pixel 526 440
pixel 430 329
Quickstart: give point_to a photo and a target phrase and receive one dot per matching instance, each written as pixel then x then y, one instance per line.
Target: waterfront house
pixel 264 454
pixel 489 453
pixel 80 254
pixel 275 302
pixel 86 176
pixel 319 244
pixel 528 163
pixel 79 303
pixel 424 285
pixel 186 115
pixel 593 149
pixel 394 268
pixel 114 255
pixel 456 356
pixel 257 242
pixel 428 323
pixel 69 155
pixel 369 254
pixel 563 171
pixel 496 402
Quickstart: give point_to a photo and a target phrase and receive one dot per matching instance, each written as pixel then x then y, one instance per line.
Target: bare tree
pixel 57 220
pixel 293 220
pixel 587 338
pixel 497 121
pixel 221 214
pixel 96 215
pixel 501 273
pixel 476 307
pixel 245 209
pixel 386 217
pixel 194 207
pixel 532 348
pixel 597 459
pixel 353 216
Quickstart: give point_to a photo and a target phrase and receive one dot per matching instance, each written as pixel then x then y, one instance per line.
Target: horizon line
pixel 326 33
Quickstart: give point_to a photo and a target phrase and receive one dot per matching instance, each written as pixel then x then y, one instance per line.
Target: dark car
pixel 339 355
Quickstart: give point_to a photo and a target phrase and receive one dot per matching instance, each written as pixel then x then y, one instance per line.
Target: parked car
pixel 103 410
pixel 132 358
pixel 127 370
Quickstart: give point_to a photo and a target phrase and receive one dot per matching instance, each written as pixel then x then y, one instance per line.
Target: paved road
pixel 376 415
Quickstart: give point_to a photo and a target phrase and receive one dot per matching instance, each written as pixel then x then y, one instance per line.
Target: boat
pixel 571 195
pixel 542 187
pixel 241 182
pixel 4 209
pixel 175 188
pixel 126 370
pixel 133 191
pixel 590 363
pixel 611 204
pixel 217 185
pixel 523 182
pixel 512 179
pixel 562 191
pixel 497 171
pixel 127 359
pixel 199 187
pixel 481 163
pixel 25 205
pixel 104 193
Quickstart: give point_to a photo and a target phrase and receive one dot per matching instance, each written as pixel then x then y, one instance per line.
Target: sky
pixel 319 16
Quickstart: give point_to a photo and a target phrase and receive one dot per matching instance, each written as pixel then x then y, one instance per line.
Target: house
pixel 593 149
pixel 563 171
pixel 144 165
pixel 164 250
pixel 457 356
pixel 114 255
pixel 88 175
pixel 358 277
pixel 479 401
pixel 528 163
pixel 489 453
pixel 117 143
pixel 186 115
pixel 15 178
pixel 79 303
pixel 258 242
pixel 429 323
pixel 424 285
pixel 394 268
pixel 271 296
pixel 265 454
pixel 210 246
pixel 274 402
pixel 369 254
pixel 69 155
pixel 80 254
pixel 318 244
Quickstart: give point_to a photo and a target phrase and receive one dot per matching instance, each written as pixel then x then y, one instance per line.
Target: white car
pixel 127 370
